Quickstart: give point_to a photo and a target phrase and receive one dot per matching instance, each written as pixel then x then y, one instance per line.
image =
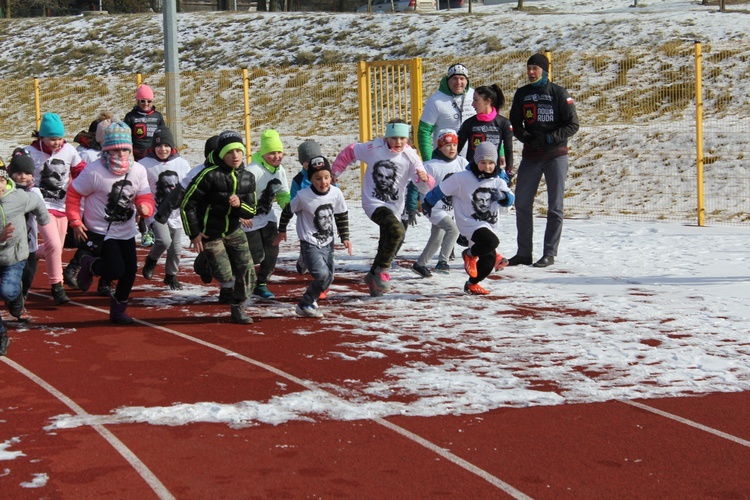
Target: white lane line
pixel 148 476
pixel 691 423
pixel 468 466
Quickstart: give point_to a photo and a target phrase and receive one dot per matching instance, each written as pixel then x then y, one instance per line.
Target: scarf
pixel 117 165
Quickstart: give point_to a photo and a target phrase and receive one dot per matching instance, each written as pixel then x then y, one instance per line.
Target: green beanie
pixel 270 141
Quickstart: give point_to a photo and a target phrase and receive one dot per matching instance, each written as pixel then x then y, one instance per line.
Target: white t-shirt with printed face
pixel 441 170
pixel 315 221
pixel 52 174
pixel 267 185
pixel 387 175
pixel 110 199
pixel 163 177
pixel 473 202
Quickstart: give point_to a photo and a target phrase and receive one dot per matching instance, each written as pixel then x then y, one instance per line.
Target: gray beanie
pixel 307 151
pixel 485 151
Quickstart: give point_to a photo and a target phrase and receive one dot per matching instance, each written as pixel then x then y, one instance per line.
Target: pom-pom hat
pixel 21 162
pixel 117 136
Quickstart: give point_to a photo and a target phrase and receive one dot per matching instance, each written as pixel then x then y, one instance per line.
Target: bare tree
pixel 6 8
pixel 520 5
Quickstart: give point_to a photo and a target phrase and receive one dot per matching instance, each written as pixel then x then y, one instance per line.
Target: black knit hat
pixel 211 144
pixel 228 141
pixel 539 60
pixel 163 136
pixel 21 162
pixel 317 164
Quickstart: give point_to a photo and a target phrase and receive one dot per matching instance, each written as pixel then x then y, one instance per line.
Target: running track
pixel 71 360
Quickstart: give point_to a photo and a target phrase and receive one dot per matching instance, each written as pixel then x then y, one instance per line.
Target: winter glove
pixel 462 241
pixel 510 172
pixel 426 208
pixel 161 218
pixel 412 221
pixel 497 195
pixel 533 140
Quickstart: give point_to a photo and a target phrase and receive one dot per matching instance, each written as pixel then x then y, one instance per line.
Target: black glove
pixel 462 240
pixel 412 221
pixel 426 208
pixel 533 140
pixel 161 218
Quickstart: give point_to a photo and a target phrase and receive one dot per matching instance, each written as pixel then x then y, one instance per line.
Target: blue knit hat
pixel 117 136
pixel 52 126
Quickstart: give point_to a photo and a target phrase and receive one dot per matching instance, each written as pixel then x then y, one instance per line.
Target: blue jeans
pixel 10 280
pixel 319 262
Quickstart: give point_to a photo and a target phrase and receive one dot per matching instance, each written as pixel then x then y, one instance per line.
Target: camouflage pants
pixel 391 236
pixel 230 257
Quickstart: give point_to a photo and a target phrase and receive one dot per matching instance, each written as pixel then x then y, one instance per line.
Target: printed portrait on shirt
pixel 166 182
pixel 265 202
pixel 384 175
pixel 120 201
pixel 323 221
pixel 481 200
pixel 52 179
pixel 447 200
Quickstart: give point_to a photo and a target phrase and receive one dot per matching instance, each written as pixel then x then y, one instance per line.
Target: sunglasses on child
pixel 145 101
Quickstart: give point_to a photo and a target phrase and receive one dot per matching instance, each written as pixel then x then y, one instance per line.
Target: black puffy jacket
pixel 205 207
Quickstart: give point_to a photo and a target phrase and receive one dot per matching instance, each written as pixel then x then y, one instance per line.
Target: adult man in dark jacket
pixel 214 202
pixel 543 116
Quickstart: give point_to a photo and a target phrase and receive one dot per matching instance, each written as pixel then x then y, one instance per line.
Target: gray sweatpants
pixel 442 236
pixel 170 240
pixel 530 174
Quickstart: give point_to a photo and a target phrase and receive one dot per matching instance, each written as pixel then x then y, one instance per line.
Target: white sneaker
pixel 308 311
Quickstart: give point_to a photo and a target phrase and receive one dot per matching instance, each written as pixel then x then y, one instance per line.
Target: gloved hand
pixel 510 172
pixel 161 218
pixel 497 195
pixel 461 240
pixel 533 140
pixel 426 208
pixel 412 221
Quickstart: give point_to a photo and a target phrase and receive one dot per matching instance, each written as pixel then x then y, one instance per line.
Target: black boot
pixel 239 316
pixel 117 312
pixel 15 306
pixel 4 340
pixel 58 294
pixel 148 268
pixel 171 281
pixel 70 276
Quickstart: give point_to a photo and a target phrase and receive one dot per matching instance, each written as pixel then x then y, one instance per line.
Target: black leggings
pixel 118 262
pixel 484 247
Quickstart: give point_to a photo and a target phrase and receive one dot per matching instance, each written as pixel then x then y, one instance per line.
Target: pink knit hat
pixel 144 92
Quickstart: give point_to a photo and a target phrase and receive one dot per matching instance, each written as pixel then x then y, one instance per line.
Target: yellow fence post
pixel 416 98
pixel 138 80
pixel 549 58
pixel 246 96
pixel 699 133
pixel 365 109
pixel 37 104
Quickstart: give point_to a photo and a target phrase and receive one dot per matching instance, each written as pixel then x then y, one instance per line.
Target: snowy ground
pixel 630 310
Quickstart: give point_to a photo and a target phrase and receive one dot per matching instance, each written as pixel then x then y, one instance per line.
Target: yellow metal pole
pixel 138 79
pixel 549 58
pixel 416 97
pixel 246 96
pixel 365 111
pixel 699 133
pixel 37 104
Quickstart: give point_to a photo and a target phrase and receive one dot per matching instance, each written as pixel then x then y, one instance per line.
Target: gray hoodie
pixel 14 205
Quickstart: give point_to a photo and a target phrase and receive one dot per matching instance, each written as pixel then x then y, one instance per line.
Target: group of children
pixel 225 207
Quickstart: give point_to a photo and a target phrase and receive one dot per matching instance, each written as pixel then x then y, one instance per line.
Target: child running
pixel 165 168
pixel 392 163
pixel 477 193
pixel 317 207
pixel 444 163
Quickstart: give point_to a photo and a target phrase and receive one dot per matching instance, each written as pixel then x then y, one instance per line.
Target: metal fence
pixel 634 156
